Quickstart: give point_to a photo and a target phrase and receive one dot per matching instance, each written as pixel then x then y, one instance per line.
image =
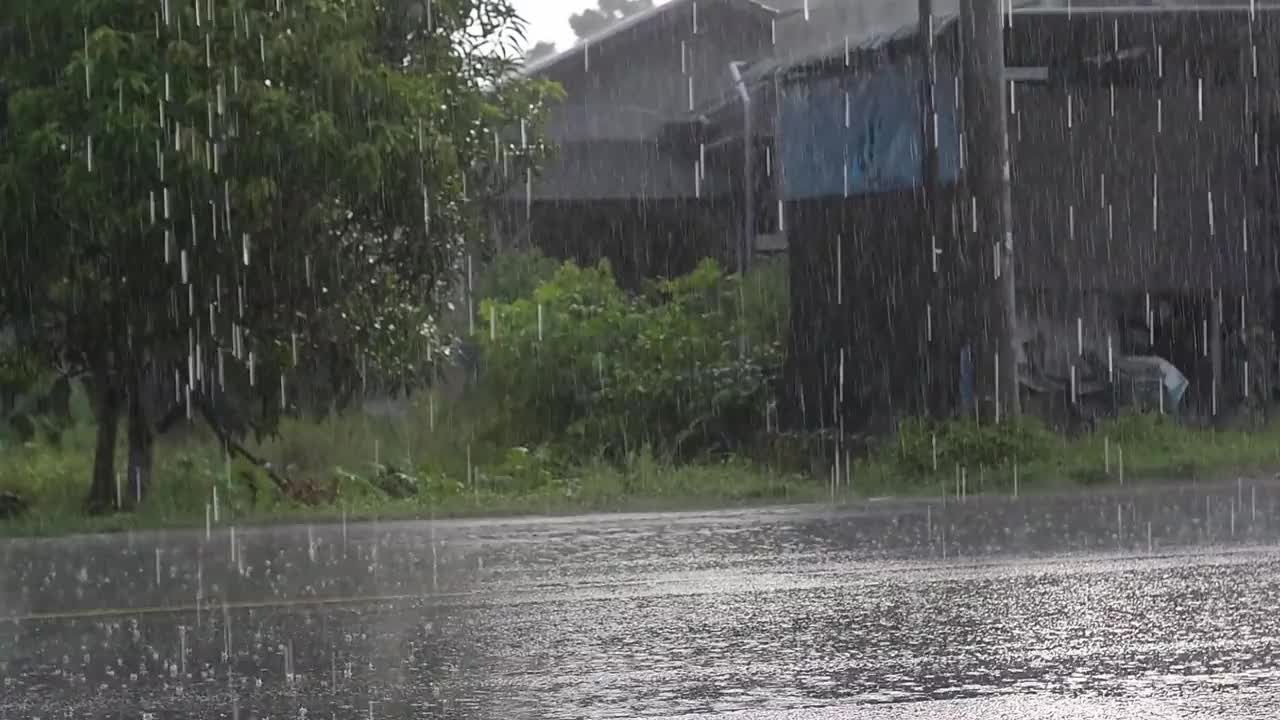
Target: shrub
pixel 514 275
pixel 582 362
pixel 967 444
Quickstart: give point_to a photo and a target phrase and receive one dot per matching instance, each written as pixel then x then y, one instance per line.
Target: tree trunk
pixel 106 410
pixel 141 444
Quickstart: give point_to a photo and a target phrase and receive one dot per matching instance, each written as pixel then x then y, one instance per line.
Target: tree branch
pixel 239 449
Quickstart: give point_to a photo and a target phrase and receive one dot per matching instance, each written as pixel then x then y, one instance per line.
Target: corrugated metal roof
pixel 879 41
pixel 542 65
pixel 760 74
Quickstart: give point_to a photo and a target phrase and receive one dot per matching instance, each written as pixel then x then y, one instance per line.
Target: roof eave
pixel 544 65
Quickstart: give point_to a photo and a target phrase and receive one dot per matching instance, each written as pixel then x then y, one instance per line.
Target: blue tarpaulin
pixel 859 134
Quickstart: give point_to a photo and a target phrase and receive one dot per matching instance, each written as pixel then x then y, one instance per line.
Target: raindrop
pixel 1155 202
pixel 88 93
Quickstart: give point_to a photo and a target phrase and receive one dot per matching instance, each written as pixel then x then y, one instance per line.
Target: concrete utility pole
pixel 987 156
pixel 928 106
pixel 933 386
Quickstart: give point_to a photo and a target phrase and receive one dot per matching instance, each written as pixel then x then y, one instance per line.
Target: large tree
pixel 607 12
pixel 202 200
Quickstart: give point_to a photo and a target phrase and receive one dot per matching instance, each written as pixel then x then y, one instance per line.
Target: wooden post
pixel 987 141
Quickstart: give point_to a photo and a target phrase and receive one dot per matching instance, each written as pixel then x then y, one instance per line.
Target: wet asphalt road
pixel 1151 604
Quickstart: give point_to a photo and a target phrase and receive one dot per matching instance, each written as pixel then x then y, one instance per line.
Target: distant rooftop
pixel 873 41
pixel 631 22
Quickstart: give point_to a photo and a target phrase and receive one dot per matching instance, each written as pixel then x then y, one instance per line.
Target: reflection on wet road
pixel 1137 604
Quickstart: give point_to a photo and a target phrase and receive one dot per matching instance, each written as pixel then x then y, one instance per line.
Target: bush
pixel 967 444
pixel 514 275
pixel 582 363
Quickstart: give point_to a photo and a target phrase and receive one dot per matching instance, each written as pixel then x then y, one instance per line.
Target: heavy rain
pixel 645 358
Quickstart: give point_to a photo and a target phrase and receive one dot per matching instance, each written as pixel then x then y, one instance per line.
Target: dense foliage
pixel 925 448
pixel 583 363
pixel 201 203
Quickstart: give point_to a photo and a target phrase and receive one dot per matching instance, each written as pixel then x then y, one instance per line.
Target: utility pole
pixel 928 107
pixel 932 387
pixel 987 154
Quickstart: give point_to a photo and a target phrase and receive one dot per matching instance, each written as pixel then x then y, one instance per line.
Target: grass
pixel 363 458
pixel 359 458
pixel 1132 448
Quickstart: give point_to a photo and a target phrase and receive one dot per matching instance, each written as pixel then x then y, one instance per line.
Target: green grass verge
pixel 1132 448
pixel 360 458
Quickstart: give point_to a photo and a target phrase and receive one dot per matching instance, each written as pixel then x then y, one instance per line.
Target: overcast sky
pixel 549 19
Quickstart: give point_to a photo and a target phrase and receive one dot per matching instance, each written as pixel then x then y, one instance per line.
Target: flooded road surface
pixel 1151 604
